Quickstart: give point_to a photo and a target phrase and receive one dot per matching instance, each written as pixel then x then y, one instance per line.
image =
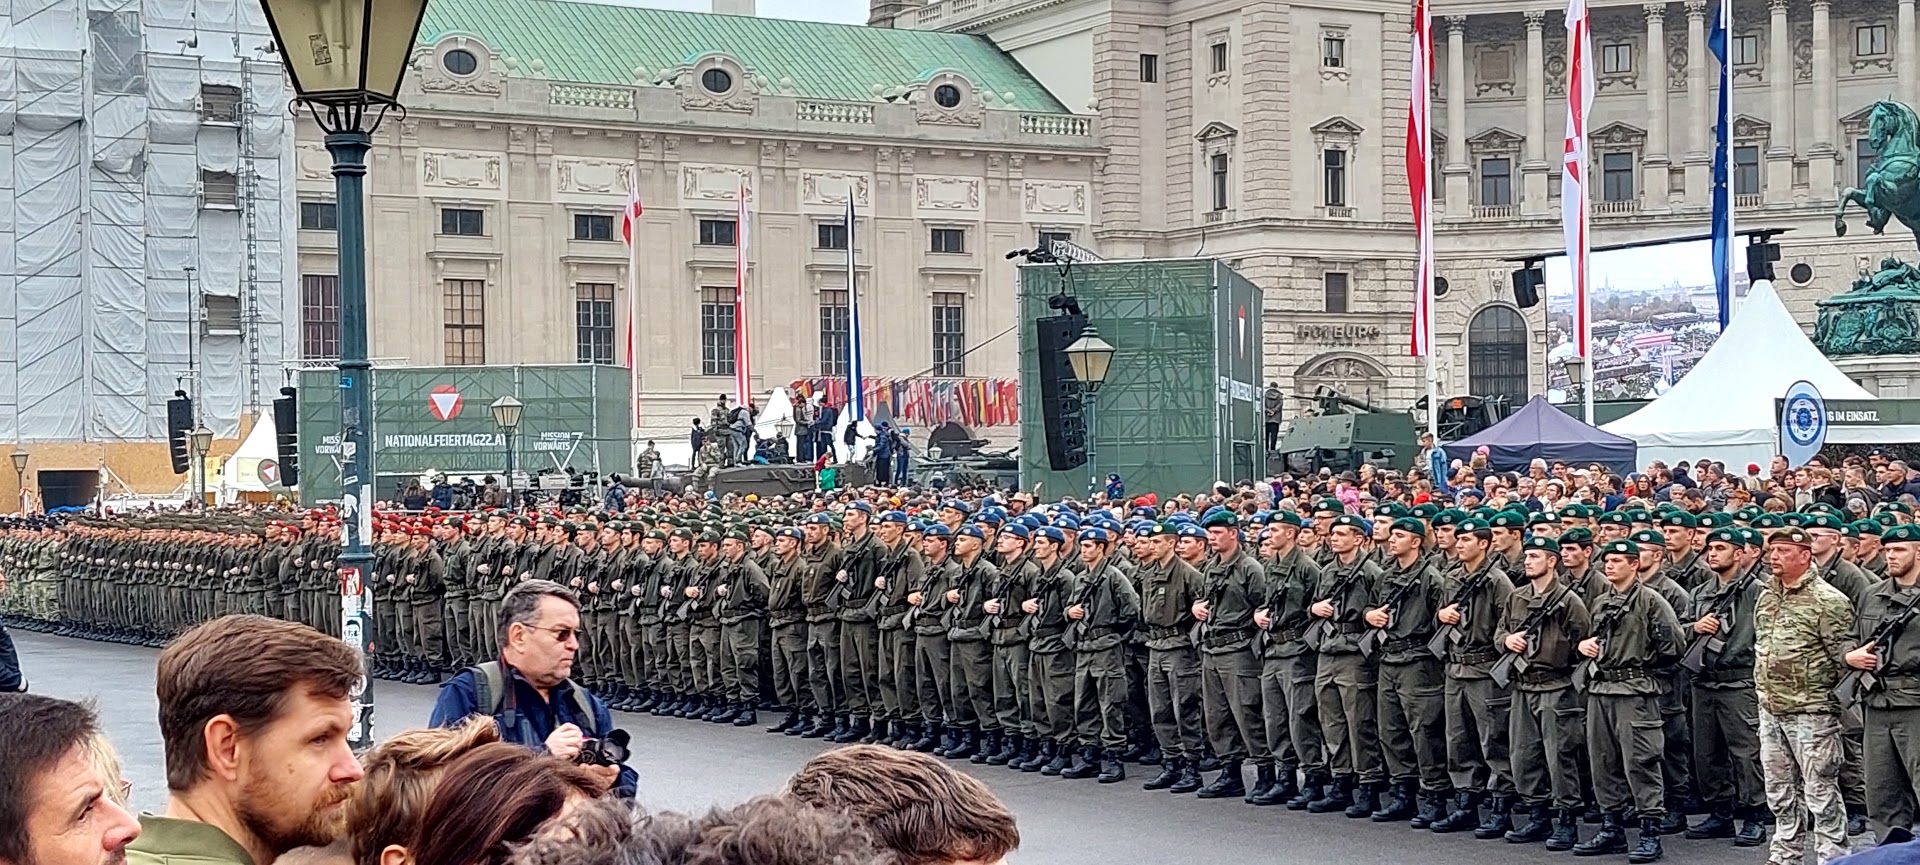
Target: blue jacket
pixel 536 718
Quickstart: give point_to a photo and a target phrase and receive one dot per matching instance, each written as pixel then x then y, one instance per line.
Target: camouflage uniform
pixel 1800 635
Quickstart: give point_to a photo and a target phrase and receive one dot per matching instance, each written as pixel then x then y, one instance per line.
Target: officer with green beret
pixel 1346 681
pixel 1612 526
pixel 1541 623
pixel 1288 665
pixel 1579 567
pixel 1683 562
pixel 1726 747
pixel 1507 529
pixel 1234 587
pixel 1867 554
pixel 740 599
pixel 1633 628
pixel 1411 710
pixel 787 618
pixel 1475 707
pixel 1891 710
pixel 677 623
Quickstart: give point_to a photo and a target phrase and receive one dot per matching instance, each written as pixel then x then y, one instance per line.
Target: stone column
pixel 1821 156
pixel 1699 107
pixel 1653 165
pixel 1457 171
pixel 1533 199
pixel 1779 188
pixel 1907 50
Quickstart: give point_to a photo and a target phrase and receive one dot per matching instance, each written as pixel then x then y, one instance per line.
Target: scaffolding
pixel 121 174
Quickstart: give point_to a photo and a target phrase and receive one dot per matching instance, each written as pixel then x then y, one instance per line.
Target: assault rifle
pixel 1603 632
pixel 1317 629
pixel 1857 682
pixel 1518 662
pixel 1371 641
pixel 1695 659
pixel 1447 635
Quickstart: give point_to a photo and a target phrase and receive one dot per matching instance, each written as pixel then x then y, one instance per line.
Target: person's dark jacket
pixel 459 699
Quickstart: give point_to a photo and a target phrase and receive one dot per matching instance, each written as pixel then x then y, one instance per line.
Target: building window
pixel 319 316
pixel 1219 55
pixel 318 216
pixel 716 331
pixel 464 221
pixel 836 333
pixel 1149 68
pixel 1049 238
pixel 219 189
pixel 1218 170
pixel 1616 59
pixel 1746 50
pixel 1333 51
pixel 1334 165
pixel 466 317
pixel 1746 170
pixel 1870 40
pixel 593 322
pixel 718 232
pixel 832 235
pixel 716 81
pixel 1496 182
pixel 219 103
pixel 1334 287
pixel 1616 177
pixel 1864 160
pixel 1497 354
pixel 949 333
pixel 592 226
pixel 946 96
pixel 459 62
pixel 219 315
pixel 948 240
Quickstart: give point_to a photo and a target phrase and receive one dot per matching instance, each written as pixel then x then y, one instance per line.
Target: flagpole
pixel 1576 191
pixel 1419 157
pixel 743 381
pixel 1720 44
pixel 856 380
pixel 633 321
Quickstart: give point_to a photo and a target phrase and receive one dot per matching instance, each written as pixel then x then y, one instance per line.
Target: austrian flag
pixel 632 214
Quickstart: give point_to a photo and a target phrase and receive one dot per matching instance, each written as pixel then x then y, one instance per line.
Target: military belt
pixel 1620 674
pixel 1478 656
pixel 1163 632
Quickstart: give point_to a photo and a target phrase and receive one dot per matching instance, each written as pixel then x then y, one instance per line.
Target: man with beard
pixel 254 716
pixel 1726 748
pixel 52 791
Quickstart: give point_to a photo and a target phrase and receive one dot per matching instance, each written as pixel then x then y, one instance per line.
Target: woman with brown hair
pixel 402 774
pixel 494 797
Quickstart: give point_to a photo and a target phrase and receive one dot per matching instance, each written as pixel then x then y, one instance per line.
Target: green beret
pixel 1615 518
pixel 657 535
pixel 1409 525
pixel 1391 510
pixel 709 537
pixel 1821 520
pixel 1448 517
pixel 1330 505
pixel 1713 521
pixel 1285 518
pixel 1638 515
pixel 1507 520
pixel 1748 513
pixel 1471 526
pixel 1886 518
pixel 1897 507
pixel 1794 519
pixel 1354 522
pixel 1902 534
pixel 1679 519
pixel 1727 535
pixel 1850 530
pixel 1483 513
pixel 1622 547
pixel 1768 521
pixel 1753 537
pixel 1580 535
pixel 1820 508
pixel 1650 537
pixel 683 533
pixel 1425 510
pixel 1219 518
pixel 736 535
pixel 1541 542
pixel 1544 518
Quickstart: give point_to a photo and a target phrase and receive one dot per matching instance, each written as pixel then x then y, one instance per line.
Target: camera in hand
pixel 610 751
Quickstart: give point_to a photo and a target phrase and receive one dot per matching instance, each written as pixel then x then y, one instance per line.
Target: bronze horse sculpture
pixel 1893 186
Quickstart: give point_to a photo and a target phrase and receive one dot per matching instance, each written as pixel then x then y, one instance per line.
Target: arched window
pixel 1497 354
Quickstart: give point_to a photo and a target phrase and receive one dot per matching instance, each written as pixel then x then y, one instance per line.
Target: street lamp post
pixel 1090 356
pixel 346 59
pixel 201 440
pixel 1575 369
pixel 20 458
pixel 506 412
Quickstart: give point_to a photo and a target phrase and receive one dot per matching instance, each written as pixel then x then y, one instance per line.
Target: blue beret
pixel 1067 523
pixel 862 507
pixel 789 532
pixel 971 530
pixel 894 517
pixel 1144 512
pixel 1189 530
pixel 1051 534
pixel 1018 530
pixel 939 530
pixel 956 505
pixel 1097 535
pixel 819 520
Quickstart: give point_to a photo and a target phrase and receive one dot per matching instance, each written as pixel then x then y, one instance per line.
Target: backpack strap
pixel 489 688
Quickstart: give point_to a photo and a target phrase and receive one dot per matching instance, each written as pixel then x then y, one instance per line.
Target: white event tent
pixel 1724 408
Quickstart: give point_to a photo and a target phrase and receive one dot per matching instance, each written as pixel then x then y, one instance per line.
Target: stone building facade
pixel 1272 135
pixel 493 205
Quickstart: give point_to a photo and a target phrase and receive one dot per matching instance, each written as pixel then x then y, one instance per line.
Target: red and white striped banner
pixel 1574 188
pixel 1420 176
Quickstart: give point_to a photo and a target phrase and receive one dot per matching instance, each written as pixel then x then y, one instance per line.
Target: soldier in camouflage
pixel 1802 630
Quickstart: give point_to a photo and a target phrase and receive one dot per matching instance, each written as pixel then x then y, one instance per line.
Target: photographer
pixel 527 691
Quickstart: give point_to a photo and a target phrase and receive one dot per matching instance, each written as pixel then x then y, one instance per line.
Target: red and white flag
pixel 631 216
pixel 1574 189
pixel 743 377
pixel 1420 176
pixel 629 220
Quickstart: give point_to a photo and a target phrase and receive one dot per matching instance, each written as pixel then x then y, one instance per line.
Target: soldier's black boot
pixel 747 716
pixel 1283 790
pixel 1037 757
pixel 1309 792
pixel 821 726
pixel 1209 763
pixel 1169 773
pixel 840 726
pixel 1539 827
pixel 1058 753
pixel 1397 804
pixel 1337 796
pixel 876 728
pixel 1610 839
pixel 802 722
pixel 1189 779
pixel 1228 785
pixel 1138 749
pixel 966 743
pixel 1366 798
pixel 1433 809
pixel 1753 829
pixel 1465 814
pixel 1676 820
pixel 785 723
pixel 730 713
pixel 1566 831
pixel 1648 850
pixel 1008 750
pixel 929 738
pixel 863 730
pixel 1152 757
pixel 1719 822
pixel 1263 781
pixel 989 746
pixel 1499 819
pixel 1113 770
pixel 1856 820
pixel 1086 763
pixel 903 735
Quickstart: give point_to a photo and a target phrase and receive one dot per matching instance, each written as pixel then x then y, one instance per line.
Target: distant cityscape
pixel 1654 316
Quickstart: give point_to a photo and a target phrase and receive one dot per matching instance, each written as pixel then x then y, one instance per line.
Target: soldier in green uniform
pixel 1012 699
pixel 824 565
pixel 1891 710
pixel 1634 632
pixel 741 606
pixel 1411 682
pixel 787 616
pixel 901 569
pixel 1234 585
pixel 1683 563
pixel 1287 666
pixel 859 649
pixel 1541 623
pixel 1050 661
pixel 1803 629
pixel 1345 683
pixel 456 550
pixel 1169 588
pixel 1726 747
pixel 426 595
pixel 703 643
pixel 970 651
pixel 1104 609
pixel 1476 707
pixel 1676 688
pixel 933 660
pixel 676 670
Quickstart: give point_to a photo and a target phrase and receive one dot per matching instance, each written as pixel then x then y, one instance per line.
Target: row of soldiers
pixel 1499 673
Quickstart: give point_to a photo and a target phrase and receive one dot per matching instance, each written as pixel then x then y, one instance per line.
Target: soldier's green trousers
pixel 633 658
pixel 789 652
pixel 1230 693
pixel 1291 712
pixel 1545 734
pixel 430 631
pixel 933 677
pixel 1100 697
pixel 1477 752
pixel 739 660
pixel 1626 745
pixel 1726 745
pixel 1412 709
pixel 703 657
pixel 1174 701
pixel 971 679
pixel 1892 763
pixel 860 667
pixel 1012 696
pixel 823 667
pixel 1050 677
pixel 679 670
pixel 1344 685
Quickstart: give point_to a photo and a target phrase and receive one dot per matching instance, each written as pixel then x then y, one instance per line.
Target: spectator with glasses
pixel 527 690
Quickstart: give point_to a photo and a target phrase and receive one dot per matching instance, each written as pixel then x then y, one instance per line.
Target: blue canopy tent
pixel 1539 430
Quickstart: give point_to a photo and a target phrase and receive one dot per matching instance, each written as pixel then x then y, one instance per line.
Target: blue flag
pixel 856 393
pixel 1719 43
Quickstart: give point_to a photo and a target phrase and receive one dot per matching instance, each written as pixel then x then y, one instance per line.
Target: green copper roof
pixel 590 43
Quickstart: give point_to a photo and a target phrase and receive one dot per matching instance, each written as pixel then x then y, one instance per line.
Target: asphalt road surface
pixel 688 765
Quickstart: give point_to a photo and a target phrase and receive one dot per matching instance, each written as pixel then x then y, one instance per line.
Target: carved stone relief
pixel 459 169
pixel 1055 199
pixel 834 188
pixel 940 194
pixel 706 184
pixel 596 176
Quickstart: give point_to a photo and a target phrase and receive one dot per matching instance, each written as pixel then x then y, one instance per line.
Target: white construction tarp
pixel 1724 409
